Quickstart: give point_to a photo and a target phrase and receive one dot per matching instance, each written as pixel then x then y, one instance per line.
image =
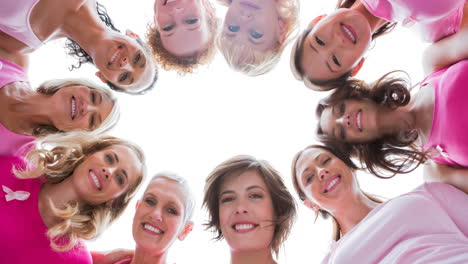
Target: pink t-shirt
pixel 427 225
pixel 24 239
pixel 12 144
pixel 431 19
pixel 448 135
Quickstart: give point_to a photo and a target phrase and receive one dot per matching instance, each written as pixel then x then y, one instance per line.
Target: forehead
pixel 326 120
pixel 184 42
pixel 239 182
pixel 166 189
pixel 307 160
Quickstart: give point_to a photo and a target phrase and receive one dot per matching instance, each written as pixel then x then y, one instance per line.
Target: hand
pixel 112 256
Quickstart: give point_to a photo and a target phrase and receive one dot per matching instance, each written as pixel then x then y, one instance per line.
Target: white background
pixel 192 123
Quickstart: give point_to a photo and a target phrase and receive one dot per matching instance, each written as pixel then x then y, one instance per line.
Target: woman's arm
pixel 446 51
pixel 436 172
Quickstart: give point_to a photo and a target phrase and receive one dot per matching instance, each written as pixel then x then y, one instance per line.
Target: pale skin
pixel 97 40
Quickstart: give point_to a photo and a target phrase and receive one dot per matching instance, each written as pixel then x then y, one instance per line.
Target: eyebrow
pixel 254 187
pixel 115 156
pixel 326 62
pixel 100 98
pixel 226 192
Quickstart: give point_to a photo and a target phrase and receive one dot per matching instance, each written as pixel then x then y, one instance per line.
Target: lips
pixel 115 56
pixel 244 227
pixel 331 183
pixel 348 32
pixel 358 120
pixel 95 180
pixel 73 107
pixel 168 2
pixel 152 229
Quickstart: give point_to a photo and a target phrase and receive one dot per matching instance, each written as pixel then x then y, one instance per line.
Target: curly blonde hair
pixel 252 62
pixel 52 86
pixel 55 158
pixel 185 64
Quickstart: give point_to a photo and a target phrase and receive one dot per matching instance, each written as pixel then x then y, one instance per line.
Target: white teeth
pixel 95 179
pixel 114 56
pixel 359 120
pixel 73 108
pixel 332 183
pixel 351 36
pixel 152 229
pixel 243 226
pixel 170 1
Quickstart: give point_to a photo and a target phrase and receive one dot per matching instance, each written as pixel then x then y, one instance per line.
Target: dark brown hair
pixel 283 202
pixel 392 154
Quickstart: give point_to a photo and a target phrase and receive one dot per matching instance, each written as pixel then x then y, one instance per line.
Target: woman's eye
pixel 336 61
pixel 342 108
pixel 172 211
pixel 120 179
pixel 168 28
pixel 123 77
pixel 150 202
pixel 309 179
pixel 109 159
pixel 137 58
pixel 191 21
pixel 326 160
pixel 227 199
pixel 256 196
pixel 233 28
pixel 92 121
pixel 256 35
pixel 93 97
pixel 319 41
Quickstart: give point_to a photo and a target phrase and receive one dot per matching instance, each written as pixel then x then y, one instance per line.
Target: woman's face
pixel 123 61
pixel 325 179
pixel 159 216
pixel 106 174
pixel 183 25
pixel 79 108
pixel 335 45
pixel 254 23
pixel 351 121
pixel 246 212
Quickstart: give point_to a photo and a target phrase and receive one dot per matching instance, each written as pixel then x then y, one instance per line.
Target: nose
pixel 176 9
pixel 323 173
pixel 107 173
pixel 344 120
pixel 241 208
pixel 246 15
pixel 156 214
pixel 124 62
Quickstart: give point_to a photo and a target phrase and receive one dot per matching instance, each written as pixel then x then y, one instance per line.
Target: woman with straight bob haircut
pixel 395 231
pixel 73 188
pixel 249 206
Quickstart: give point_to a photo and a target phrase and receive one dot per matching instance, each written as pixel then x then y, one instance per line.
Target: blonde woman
pixel 255 33
pixel 79 185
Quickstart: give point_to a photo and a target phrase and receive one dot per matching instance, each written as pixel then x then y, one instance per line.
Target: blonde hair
pixel 185 64
pixel 56 157
pixel 252 62
pixel 52 86
pixel 189 200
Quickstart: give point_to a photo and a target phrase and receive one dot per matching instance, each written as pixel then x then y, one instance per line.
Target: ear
pixel 101 76
pixel 130 33
pixel 356 68
pixel 316 20
pixel 311 205
pixel 187 229
pixel 281 31
pixel 137 204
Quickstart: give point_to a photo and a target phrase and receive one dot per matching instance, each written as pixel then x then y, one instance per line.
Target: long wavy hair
pixel 390 154
pixel 337 233
pixel 326 85
pixel 283 203
pixel 55 158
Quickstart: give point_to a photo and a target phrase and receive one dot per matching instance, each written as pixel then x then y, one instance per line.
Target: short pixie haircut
pixel 189 200
pixel 252 62
pixel 52 86
pixel 283 203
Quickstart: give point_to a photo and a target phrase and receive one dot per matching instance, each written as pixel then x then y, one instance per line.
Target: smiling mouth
pixel 249 5
pixel 244 228
pixel 169 1
pixel 95 179
pixel 152 229
pixel 73 108
pixel 332 184
pixel 348 32
pixel 359 120
pixel 115 56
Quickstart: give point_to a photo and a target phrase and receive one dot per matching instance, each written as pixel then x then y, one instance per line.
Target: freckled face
pixel 79 108
pixel 106 174
pixel 159 216
pixel 246 212
pixel 335 45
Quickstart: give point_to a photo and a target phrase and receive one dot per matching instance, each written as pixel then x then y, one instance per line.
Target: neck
pixel 374 22
pixel 253 257
pixel 144 257
pixel 392 121
pixel 61 194
pixel 354 211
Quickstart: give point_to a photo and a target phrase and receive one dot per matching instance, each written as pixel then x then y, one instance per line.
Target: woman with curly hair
pixel 124 61
pixel 332 48
pixel 249 206
pixel 182 36
pixel 255 33
pixel 74 187
pixel 372 231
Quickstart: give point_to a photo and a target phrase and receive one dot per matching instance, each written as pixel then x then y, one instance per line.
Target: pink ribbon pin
pixel 18 195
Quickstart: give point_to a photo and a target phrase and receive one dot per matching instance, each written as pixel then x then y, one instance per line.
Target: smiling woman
pixel 88 183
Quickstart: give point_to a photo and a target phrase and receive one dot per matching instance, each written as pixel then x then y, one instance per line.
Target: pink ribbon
pixel 18 195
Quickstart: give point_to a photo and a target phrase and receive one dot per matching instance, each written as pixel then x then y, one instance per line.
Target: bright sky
pixel 192 123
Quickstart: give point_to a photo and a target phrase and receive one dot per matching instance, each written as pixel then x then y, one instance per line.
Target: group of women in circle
pixel 64 181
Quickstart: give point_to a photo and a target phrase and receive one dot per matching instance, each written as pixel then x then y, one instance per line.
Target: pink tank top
pixel 14 21
pixel 431 19
pixel 449 131
pixel 12 144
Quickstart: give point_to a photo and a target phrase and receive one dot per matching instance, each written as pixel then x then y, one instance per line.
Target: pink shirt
pixel 449 131
pixel 24 238
pixel 12 144
pixel 432 19
pixel 427 225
